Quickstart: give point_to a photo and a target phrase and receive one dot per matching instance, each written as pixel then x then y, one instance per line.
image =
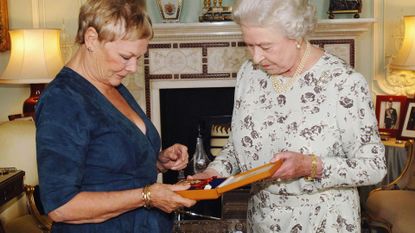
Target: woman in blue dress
pixel 98 154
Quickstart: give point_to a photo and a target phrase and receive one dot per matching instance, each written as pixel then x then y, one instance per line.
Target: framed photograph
pixel 170 10
pixel 389 112
pixel 408 122
pixel 4 27
pixel 343 48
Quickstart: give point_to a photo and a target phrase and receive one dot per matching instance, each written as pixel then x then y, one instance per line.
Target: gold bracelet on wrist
pixel 313 172
pixel 146 196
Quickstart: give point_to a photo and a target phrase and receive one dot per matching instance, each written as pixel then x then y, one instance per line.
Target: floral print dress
pixel 327 112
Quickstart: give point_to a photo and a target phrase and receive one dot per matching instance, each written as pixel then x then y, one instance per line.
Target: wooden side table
pixel 11 185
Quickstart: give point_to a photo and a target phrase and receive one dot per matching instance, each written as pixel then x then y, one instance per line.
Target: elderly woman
pixel 98 153
pixel 299 104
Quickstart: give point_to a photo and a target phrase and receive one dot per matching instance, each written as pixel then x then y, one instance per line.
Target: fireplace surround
pixel 208 55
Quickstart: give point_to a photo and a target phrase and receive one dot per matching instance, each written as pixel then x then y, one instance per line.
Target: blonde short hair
pixel 295 18
pixel 115 19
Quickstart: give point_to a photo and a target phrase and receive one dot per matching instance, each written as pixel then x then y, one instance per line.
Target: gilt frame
pixel 4 27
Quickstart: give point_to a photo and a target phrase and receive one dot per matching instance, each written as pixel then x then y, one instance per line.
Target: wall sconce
pixel 35 59
pixel 402 66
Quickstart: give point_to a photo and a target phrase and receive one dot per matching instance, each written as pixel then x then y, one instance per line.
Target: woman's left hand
pixel 173 158
pixel 295 165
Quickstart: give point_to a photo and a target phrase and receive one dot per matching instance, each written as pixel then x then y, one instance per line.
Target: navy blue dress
pixel 85 144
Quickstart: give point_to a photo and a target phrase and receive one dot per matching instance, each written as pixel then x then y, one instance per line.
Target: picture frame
pixel 389 112
pixel 4 27
pixel 342 48
pixel 408 122
pixel 170 10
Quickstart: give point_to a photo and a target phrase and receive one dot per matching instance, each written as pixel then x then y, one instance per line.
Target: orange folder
pixel 233 182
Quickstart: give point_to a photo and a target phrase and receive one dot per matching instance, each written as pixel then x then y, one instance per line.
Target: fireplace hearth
pixel 183 110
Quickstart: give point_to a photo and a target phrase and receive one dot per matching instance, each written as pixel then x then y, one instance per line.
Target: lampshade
pixel 35 56
pixel 35 59
pixel 405 60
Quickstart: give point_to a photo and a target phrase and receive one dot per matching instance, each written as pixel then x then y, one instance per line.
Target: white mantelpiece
pixel 343 27
pixel 325 28
pixel 186 31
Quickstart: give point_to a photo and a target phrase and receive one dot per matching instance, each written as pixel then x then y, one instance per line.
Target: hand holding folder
pixel 222 185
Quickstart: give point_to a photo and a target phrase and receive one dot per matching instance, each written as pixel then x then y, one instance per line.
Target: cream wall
pixel 63 14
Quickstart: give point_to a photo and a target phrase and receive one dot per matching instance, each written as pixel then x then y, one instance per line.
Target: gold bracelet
pixel 146 196
pixel 313 172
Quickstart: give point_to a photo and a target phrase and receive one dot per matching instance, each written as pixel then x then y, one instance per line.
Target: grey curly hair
pixel 295 18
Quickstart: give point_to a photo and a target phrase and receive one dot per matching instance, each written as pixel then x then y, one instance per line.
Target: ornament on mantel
pixel 170 10
pixel 215 11
pixel 345 7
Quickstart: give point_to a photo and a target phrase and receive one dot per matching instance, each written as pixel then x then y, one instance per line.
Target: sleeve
pixel 226 163
pixel 363 162
pixel 61 144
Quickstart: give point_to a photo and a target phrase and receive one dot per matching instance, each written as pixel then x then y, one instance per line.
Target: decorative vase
pixel 170 10
pixel 200 158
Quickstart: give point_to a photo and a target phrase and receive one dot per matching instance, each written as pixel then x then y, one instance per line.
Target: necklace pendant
pixel 282 87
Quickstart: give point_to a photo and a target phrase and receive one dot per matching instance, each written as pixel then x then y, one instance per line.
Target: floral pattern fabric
pixel 328 112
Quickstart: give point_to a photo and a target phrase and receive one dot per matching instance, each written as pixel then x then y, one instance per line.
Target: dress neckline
pixel 109 106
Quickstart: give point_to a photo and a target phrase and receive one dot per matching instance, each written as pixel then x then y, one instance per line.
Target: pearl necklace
pixel 279 85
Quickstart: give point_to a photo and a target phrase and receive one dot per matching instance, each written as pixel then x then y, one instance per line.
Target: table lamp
pixel 403 64
pixel 35 59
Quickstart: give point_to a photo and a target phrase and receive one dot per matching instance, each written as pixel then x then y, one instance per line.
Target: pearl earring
pixel 298 45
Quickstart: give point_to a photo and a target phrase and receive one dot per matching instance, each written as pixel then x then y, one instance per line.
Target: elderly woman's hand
pixel 173 158
pixel 209 172
pixel 163 197
pixel 295 165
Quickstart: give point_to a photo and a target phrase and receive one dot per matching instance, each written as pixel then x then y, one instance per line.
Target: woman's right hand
pixel 164 197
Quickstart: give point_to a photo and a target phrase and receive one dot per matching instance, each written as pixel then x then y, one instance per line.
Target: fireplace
pixel 184 110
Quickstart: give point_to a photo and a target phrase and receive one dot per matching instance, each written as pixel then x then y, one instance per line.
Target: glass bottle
pixel 200 158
